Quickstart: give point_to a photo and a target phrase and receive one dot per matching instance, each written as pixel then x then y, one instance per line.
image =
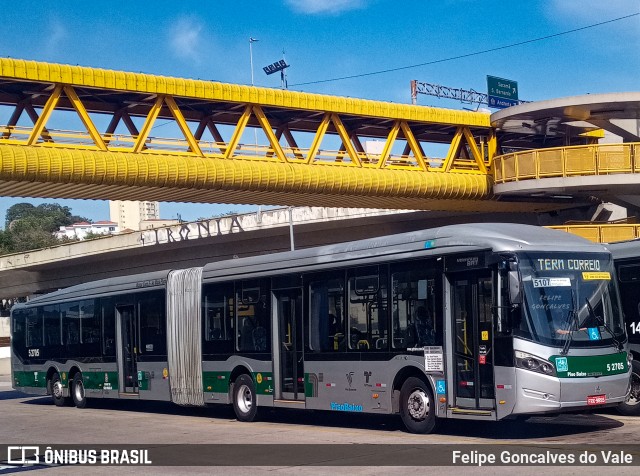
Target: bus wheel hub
pixel 418 405
pixel 57 389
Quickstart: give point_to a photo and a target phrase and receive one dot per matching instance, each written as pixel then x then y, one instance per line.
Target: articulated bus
pixel 479 321
pixel 626 255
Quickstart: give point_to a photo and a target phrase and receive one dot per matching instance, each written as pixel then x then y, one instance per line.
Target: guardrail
pixel 597 159
pixel 606 233
pixel 69 139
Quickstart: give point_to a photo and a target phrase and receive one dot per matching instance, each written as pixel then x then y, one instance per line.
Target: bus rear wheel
pixel 417 407
pixel 77 391
pixel 57 390
pixel 631 405
pixel 244 398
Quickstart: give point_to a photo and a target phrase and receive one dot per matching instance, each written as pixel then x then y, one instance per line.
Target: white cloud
pixel 314 7
pixel 595 10
pixel 185 38
pixel 588 12
pixel 55 36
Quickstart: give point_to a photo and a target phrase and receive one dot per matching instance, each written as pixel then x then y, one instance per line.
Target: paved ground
pixel 34 420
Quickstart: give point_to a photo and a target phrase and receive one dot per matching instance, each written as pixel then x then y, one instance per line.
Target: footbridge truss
pixel 77 132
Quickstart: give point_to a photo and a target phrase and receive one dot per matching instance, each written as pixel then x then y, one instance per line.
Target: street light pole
pixel 251 42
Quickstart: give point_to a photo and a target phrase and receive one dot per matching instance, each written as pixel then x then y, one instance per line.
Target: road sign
pixel 502 92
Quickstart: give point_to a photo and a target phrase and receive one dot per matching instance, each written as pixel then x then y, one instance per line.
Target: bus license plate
pixel 596 399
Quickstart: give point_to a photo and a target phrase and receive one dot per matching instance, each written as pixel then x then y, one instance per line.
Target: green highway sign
pixel 502 92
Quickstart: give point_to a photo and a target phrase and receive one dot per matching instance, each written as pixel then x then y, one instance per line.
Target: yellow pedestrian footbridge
pixel 78 132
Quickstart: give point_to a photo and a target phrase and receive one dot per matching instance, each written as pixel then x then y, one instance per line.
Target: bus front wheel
pixel 77 391
pixel 417 406
pixel 244 398
pixel 631 406
pixel 57 390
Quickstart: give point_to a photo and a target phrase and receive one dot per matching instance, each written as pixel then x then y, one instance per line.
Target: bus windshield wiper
pixel 601 320
pixel 571 322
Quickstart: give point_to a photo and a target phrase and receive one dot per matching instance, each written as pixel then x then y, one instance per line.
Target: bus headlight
pixel 534 364
pixel 629 359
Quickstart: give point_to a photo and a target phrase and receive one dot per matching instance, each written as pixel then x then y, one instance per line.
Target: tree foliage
pixel 30 227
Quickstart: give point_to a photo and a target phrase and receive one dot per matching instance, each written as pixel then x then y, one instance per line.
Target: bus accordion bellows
pixel 477 321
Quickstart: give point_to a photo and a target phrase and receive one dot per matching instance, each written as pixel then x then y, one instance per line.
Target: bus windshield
pixel 570 299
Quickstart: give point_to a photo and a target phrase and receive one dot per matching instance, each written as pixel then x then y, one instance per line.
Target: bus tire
pixel 417 406
pixel 57 390
pixel 244 398
pixel 77 391
pixel 631 406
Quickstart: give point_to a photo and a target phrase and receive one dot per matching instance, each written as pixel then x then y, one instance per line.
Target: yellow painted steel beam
pixel 266 127
pixel 44 117
pixel 492 144
pixel 148 124
pixel 317 138
pixel 293 145
pixel 84 117
pixel 453 150
pixel 386 150
pixel 13 120
pixel 79 76
pixel 346 139
pixel 182 124
pixel 475 153
pixel 189 178
pixel 237 133
pixel 414 145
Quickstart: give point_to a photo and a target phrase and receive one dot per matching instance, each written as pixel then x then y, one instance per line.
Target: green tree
pixel 30 227
pixel 31 233
pixel 90 235
pixel 5 242
pixel 52 215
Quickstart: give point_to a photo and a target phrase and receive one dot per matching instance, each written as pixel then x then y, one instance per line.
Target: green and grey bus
pixel 626 256
pixel 479 321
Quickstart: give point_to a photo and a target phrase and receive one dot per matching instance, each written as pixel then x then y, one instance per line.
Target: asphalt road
pixel 27 420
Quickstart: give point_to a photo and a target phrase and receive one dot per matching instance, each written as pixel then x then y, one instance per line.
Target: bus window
pixel 52 325
pixel 254 323
pixel 367 327
pixel 70 323
pixel 326 322
pixel 89 324
pixel 107 307
pixel 18 332
pixel 415 321
pixel 34 328
pixel 218 311
pixel 153 337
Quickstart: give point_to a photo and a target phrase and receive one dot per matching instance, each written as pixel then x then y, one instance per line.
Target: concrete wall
pixel 4 327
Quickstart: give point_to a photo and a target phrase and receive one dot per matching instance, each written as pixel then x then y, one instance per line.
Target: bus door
pixel 127 349
pixel 471 305
pixel 288 358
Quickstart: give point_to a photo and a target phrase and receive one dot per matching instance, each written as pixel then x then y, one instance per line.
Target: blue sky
pixel 327 39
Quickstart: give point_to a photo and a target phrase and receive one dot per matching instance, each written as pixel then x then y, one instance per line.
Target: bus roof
pixel 625 249
pixel 435 241
pixel 123 284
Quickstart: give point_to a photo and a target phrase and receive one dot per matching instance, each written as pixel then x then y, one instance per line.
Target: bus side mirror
pixel 515 293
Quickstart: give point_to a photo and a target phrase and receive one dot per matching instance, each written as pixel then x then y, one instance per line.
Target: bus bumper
pixel 537 393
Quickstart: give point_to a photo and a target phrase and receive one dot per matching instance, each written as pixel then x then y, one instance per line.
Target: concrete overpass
pixel 194 244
